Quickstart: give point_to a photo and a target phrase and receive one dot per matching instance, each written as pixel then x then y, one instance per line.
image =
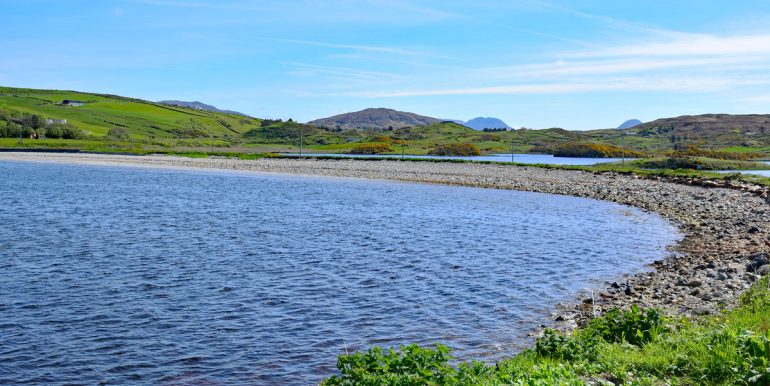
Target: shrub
pixel 371 148
pixel 412 365
pixel 489 137
pixel 118 133
pixel 588 150
pixel 63 131
pixel 381 138
pixel 461 149
pixel 694 151
pixel 636 326
pixel 12 130
pixel 555 345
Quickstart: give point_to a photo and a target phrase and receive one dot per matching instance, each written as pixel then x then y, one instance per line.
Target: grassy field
pixel 142 119
pixel 635 347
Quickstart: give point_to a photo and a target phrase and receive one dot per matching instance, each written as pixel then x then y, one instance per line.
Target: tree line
pixel 15 124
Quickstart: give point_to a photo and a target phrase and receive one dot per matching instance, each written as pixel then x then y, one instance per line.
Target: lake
pixel 173 277
pixel 518 158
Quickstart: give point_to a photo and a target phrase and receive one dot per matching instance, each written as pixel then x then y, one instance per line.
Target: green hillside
pixel 140 119
pixel 115 123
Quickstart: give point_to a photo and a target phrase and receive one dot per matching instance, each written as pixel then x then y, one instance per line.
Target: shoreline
pixel 725 226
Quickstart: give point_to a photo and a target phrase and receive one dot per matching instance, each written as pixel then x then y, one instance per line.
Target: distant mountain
pixel 482 123
pixel 200 106
pixel 377 118
pixel 629 124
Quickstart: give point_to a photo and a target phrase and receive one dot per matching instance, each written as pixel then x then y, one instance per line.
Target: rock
pixel 702 310
pixel 757 260
pixel 753 230
pixel 695 283
pixel 681 283
pixel 763 270
pixel 629 290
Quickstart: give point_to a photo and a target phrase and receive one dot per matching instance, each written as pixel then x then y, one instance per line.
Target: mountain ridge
pixel 200 106
pixel 374 118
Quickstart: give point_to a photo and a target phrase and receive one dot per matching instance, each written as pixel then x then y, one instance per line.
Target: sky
pixel 575 64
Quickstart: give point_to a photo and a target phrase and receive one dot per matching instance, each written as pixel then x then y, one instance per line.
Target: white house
pixel 51 121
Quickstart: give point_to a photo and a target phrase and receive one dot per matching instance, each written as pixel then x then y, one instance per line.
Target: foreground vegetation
pixel 632 347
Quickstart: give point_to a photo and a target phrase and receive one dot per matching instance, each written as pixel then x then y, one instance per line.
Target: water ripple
pixel 134 276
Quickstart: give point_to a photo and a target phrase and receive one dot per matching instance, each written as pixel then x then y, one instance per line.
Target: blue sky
pixel 578 64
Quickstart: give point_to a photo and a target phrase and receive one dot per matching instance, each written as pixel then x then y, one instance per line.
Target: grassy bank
pixel 635 347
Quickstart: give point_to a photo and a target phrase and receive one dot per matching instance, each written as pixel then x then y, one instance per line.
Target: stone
pixel 763 270
pixel 695 283
pixel 757 260
pixel 702 310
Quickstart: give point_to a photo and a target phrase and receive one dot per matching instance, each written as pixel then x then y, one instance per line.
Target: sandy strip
pixel 725 229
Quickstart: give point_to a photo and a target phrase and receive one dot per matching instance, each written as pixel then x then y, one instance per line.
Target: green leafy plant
pixel 635 326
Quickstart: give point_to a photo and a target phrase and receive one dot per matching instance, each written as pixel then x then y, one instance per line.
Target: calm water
pixel 765 173
pixel 170 277
pixel 519 158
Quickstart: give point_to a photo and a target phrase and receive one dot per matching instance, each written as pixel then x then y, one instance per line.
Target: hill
pixel 482 123
pixel 97 115
pixel 200 106
pixel 629 124
pixel 714 123
pixel 375 118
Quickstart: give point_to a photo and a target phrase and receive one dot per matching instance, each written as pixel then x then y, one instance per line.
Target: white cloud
pixel 312 70
pixel 674 84
pixel 691 45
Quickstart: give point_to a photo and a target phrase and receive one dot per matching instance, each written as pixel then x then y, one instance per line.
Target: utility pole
pixel 301 140
pixel 403 145
pixel 21 132
pixel 511 150
pixel 623 147
pixel 212 141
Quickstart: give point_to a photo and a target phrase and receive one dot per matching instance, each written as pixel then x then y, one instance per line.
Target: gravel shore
pixel 726 226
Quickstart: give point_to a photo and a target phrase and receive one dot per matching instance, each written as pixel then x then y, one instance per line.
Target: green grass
pixel 142 119
pixel 699 163
pixel 633 347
